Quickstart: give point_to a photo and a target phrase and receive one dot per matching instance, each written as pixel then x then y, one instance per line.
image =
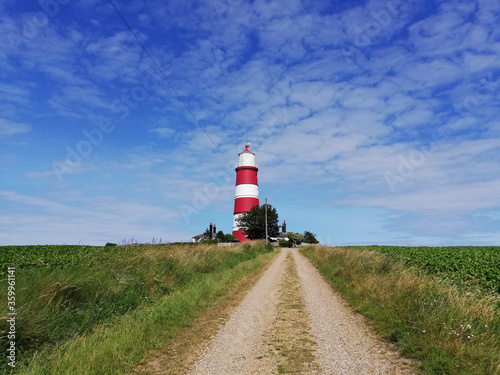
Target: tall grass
pixel 104 317
pixel 451 331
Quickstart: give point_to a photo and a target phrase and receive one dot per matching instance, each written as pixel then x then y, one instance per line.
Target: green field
pixel 464 265
pixel 39 257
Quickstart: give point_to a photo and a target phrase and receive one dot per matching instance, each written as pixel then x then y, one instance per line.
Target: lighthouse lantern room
pixel 247 189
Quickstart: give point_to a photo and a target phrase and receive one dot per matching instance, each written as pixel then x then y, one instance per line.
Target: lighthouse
pixel 247 189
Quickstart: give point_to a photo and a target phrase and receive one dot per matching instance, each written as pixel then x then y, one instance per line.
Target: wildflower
pixel 423 331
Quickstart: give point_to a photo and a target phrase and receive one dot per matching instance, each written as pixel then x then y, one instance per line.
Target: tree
pixel 220 236
pixel 295 238
pixel 310 237
pixel 254 222
pixel 208 234
pixel 230 238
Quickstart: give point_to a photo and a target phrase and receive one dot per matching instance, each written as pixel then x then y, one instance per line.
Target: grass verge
pixel 105 317
pixel 451 331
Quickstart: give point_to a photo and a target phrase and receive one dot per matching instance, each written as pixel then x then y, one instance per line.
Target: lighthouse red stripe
pixel 246 176
pixel 242 205
pixel 240 235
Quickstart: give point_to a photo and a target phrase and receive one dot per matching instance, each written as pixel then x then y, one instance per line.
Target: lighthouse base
pixel 240 235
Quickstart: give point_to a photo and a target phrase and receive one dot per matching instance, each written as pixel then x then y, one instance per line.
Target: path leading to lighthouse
pixel 293 322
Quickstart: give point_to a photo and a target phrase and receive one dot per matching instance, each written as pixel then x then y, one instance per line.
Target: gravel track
pixel 343 344
pixel 237 345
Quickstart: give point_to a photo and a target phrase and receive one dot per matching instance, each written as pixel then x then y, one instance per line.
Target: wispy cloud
pixel 9 128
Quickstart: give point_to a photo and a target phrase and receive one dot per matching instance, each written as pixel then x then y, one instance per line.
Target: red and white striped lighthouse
pixel 247 189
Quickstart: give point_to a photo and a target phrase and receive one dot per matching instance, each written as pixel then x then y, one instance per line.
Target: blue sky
pixel 373 122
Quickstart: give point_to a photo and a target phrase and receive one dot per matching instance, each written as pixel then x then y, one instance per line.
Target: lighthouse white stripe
pixel 247 190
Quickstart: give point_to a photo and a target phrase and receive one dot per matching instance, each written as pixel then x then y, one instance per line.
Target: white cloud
pixel 163 132
pixel 447 198
pixel 94 220
pixel 9 128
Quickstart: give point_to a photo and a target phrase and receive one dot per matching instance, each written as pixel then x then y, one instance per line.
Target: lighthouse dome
pixel 246 158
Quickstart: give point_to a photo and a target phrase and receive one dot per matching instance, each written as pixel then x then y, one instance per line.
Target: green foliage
pixel 220 236
pixel 254 222
pixel 310 237
pixel 230 238
pixel 295 238
pixel 285 243
pixel 464 265
pixel 207 233
pixel 209 242
pixel 111 244
pixel 25 258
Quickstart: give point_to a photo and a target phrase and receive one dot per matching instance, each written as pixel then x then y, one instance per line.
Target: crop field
pixel 29 257
pixel 464 265
pixel 50 256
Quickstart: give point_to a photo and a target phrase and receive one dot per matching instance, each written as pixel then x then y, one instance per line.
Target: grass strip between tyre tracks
pixel 289 341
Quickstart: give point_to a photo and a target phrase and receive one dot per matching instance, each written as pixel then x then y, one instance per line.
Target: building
pixel 282 236
pixel 205 236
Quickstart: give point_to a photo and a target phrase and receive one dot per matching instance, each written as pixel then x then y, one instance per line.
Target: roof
pixel 246 149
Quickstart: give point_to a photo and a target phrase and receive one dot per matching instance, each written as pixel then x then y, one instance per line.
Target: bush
pixel 230 238
pixel 295 238
pixel 310 237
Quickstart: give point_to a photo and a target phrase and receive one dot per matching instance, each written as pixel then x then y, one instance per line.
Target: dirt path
pixel 292 322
